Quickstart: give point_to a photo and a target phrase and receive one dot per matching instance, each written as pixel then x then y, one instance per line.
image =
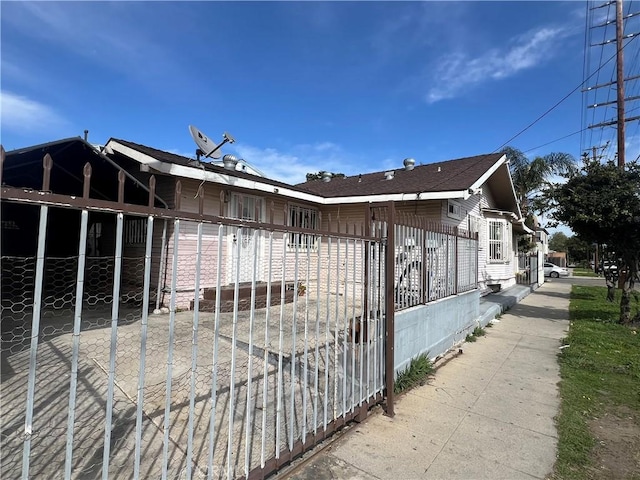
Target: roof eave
pixel 208 176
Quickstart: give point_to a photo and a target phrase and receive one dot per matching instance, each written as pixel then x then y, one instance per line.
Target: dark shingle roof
pixel 190 162
pixel 452 175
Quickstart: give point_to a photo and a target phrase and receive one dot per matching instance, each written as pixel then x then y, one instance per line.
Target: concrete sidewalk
pixel 488 413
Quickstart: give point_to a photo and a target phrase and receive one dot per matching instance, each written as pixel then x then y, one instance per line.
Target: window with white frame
pixel 499 241
pixel 454 210
pixel 302 217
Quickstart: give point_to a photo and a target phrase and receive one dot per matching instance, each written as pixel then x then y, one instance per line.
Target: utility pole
pixel 620 82
pixel 620 121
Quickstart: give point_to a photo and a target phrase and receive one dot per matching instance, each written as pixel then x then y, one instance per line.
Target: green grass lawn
pixel 584 272
pixel 600 370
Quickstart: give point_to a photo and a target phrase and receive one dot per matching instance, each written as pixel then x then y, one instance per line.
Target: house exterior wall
pixel 272 247
pixel 500 273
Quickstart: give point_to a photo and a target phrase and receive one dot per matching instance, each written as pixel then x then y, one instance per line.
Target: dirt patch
pixel 617 451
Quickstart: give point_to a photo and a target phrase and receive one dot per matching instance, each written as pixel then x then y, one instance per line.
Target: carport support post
pixel 390 308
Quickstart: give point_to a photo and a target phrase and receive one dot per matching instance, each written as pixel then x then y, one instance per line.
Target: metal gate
pixel 528 269
pixel 144 363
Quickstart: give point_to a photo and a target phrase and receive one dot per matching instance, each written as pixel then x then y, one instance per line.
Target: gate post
pixel 390 308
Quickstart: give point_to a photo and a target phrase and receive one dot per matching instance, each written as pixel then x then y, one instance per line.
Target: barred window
pixel 302 217
pixel 499 241
pixel 135 231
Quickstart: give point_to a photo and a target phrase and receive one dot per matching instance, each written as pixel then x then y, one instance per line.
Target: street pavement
pixel 487 413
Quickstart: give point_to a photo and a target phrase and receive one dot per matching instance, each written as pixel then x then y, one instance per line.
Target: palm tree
pixel 532 177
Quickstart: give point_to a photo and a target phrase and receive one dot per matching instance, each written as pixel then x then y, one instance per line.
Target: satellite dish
pixel 206 146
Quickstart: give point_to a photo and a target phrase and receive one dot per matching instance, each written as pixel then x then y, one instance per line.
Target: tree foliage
pixel 601 204
pixel 558 242
pixel 578 249
pixel 531 177
pixel 318 176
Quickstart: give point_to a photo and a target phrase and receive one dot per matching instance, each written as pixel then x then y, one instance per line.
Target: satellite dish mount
pixel 206 146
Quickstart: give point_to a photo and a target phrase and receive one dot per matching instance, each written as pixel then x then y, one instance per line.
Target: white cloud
pixel 22 114
pixel 458 71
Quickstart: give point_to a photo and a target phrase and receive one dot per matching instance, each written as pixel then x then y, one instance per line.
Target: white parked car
pixel 554 271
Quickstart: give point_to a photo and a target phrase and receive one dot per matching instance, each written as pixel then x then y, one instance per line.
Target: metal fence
pixel 98 382
pixel 432 261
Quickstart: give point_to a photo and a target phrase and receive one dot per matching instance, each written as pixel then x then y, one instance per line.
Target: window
pixel 499 241
pixel 135 231
pixel 453 210
pixel 302 217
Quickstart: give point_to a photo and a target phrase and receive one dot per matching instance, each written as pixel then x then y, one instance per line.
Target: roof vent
pixel 439 169
pixel 326 176
pixel 409 163
pixel 389 175
pixel 229 161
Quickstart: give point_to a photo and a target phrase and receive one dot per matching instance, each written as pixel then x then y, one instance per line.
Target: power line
pixel 561 100
pixel 556 140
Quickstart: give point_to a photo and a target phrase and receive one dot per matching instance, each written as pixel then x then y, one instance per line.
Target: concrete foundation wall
pixel 434 328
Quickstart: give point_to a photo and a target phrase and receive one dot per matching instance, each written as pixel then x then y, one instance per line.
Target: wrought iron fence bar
pixel 194 352
pixel 337 334
pixel 172 323
pixel 327 334
pixel 115 308
pixel 234 337
pixel 214 365
pixel 77 319
pixel 35 334
pixel 353 331
pixel 293 346
pixel 280 386
pixel 316 378
pixel 265 373
pixel 144 321
pixel 389 311
pixel 305 374
pixel 345 339
pixel 364 334
pixel 249 416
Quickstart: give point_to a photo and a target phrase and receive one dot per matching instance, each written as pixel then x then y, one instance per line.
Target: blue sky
pixel 302 86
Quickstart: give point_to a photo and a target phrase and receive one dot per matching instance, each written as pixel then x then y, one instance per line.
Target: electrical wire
pixel 548 111
pixel 556 140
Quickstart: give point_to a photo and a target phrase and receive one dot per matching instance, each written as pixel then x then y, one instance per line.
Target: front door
pixel 243 243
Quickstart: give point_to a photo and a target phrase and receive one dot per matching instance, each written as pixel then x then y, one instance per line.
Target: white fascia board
pixel 197 174
pixel 501 161
pixel 485 176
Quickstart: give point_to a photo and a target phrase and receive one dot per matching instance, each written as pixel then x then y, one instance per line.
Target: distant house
pixel 557 258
